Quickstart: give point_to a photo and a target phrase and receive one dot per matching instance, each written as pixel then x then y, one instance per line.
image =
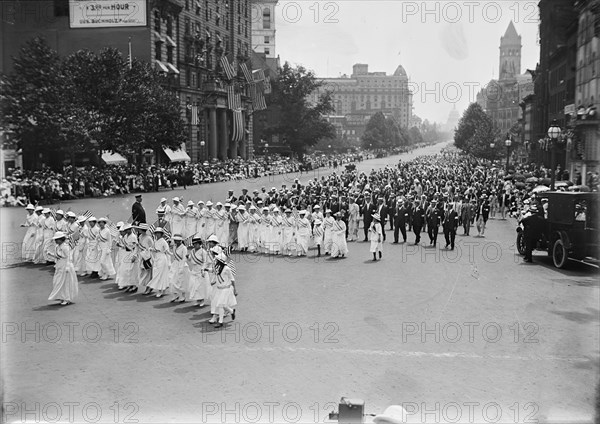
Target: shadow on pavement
pixel 186 309
pixel 580 317
pixel 49 307
pixel 590 364
pixel 204 315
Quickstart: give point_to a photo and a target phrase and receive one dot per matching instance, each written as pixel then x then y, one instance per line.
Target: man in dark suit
pixel 401 218
pixel 367 211
pixel 450 225
pixel 435 215
pixel 418 218
pixel 138 214
pixel 382 210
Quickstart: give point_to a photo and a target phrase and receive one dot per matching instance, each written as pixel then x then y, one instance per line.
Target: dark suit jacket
pixel 138 213
pixel 451 221
pixel 401 216
pixel 382 210
pixel 367 211
pixel 418 216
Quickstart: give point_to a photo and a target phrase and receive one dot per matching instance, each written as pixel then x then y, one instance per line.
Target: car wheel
pixel 560 256
pixel 521 243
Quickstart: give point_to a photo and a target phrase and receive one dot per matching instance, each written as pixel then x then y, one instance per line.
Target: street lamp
pixel 554 133
pixel 492 145
pixel 507 143
pixel 266 148
pixel 202 144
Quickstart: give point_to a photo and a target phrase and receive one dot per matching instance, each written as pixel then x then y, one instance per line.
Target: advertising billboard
pixel 107 13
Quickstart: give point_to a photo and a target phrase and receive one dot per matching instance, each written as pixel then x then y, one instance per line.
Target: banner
pixel 107 13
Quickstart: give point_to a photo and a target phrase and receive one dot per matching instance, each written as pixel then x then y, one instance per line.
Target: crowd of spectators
pixel 48 186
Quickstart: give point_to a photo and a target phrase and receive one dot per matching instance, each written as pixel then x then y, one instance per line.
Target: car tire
pixel 560 256
pixel 521 243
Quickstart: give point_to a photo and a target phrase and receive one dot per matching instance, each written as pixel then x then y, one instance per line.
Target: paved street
pixel 471 335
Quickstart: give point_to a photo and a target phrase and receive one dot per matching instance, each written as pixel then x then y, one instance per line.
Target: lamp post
pixel 553 132
pixel 492 145
pixel 329 147
pixel 507 143
pixel 266 149
pixel 202 144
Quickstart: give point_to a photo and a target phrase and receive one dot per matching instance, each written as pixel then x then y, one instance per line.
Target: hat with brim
pixel 159 230
pixel 328 211
pixel 164 199
pixel 213 238
pixel 241 208
pixel 209 203
pixel 120 225
pixel 39 208
pixel 221 258
pixel 92 219
pixel 317 207
pixel 252 208
pixel 302 212
pixel 376 216
pixel 176 199
pixel 393 414
pixel 137 196
pixel 190 203
pixel 177 237
pixel 103 219
pixel 59 235
pixel 81 219
pixel 160 211
pixel 46 210
pixel 71 214
pixel 30 207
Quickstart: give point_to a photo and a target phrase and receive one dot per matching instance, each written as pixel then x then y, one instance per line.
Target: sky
pixel 449 49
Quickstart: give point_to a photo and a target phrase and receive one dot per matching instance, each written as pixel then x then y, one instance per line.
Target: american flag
pixel 267 85
pixel 188 241
pixel 258 99
pixel 227 251
pixel 87 214
pixel 167 234
pixel 227 68
pixel 53 213
pixel 195 119
pixel 247 73
pixel 259 75
pixel 112 228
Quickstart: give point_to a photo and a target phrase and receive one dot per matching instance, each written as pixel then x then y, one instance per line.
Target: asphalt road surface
pixel 471 335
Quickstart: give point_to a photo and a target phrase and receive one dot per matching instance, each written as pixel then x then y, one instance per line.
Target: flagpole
pixel 130 57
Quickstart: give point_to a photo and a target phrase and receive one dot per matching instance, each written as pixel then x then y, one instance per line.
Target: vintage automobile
pixel 571 230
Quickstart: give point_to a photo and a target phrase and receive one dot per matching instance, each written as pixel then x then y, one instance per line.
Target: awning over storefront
pixel 161 66
pixel 177 155
pixel 113 158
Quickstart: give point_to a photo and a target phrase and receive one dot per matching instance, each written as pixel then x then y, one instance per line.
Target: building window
pixel 194 79
pixel 594 64
pixel 170 26
pixel 61 7
pixel 266 18
pixel 187 4
pixel 246 29
pixel 188 75
pixel 170 54
pixel 267 50
pixel 157 50
pixel 187 26
pixel 157 21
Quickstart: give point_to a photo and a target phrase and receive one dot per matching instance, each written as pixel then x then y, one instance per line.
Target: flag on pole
pixel 268 85
pixel 188 241
pixel 258 75
pixel 195 118
pixel 112 228
pixel 130 57
pixel 247 73
pixel 227 68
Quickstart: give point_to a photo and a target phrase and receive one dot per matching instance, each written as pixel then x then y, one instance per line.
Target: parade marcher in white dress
pixel 303 233
pixel 190 220
pixel 221 224
pixel 327 226
pixel 64 283
pixel 201 220
pixel 275 234
pixel 107 268
pixel 92 254
pixel 179 272
pixel 60 223
pixel 253 224
pixel 339 246
pixel 80 247
pixel 376 237
pixel 199 288
pixel 318 234
pixel 164 206
pixel 73 234
pixel 49 225
pixel 209 218
pixel 38 256
pixel 264 230
pixel 353 220
pixel 28 246
pixel 223 298
pixel 145 244
pixel 160 264
pixel 128 271
pixel 177 213
pixel 288 233
pixel 242 218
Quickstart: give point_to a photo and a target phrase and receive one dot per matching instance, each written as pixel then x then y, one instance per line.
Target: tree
pixel 87 102
pixel 374 136
pixel 415 135
pixel 298 122
pixel 475 132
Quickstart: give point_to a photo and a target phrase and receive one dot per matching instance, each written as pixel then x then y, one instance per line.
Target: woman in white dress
pixel 80 246
pixel 339 246
pixel 107 268
pixel 288 233
pixel 264 230
pixel 199 288
pixel 179 272
pixel 303 232
pixel 178 213
pixel 160 264
pixel 253 224
pixel 223 298
pixel 222 224
pixel 38 256
pixel 127 258
pixel 209 217
pixel 28 247
pixel 376 237
pixel 64 283
pixel 190 220
pixel 243 228
pixel 353 220
pixel 275 236
pixel 92 254
pixel 49 225
pixel 201 221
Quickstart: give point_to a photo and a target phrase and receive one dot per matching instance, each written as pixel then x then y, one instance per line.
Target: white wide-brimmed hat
pixel 176 199
pixel 209 203
pixel 159 230
pixel 103 219
pixel 71 214
pixel 190 203
pixel 177 237
pixel 30 207
pixel 60 212
pixel 376 216
pixel 46 210
pixel 213 238
pixel 59 235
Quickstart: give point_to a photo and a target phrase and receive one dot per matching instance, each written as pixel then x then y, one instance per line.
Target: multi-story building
pixel 365 93
pixel 263 27
pixel 184 39
pixel 585 148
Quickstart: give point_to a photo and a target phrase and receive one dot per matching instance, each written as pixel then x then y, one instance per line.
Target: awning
pixel 113 158
pixel 177 155
pixel 172 68
pixel 161 66
pixel 170 41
